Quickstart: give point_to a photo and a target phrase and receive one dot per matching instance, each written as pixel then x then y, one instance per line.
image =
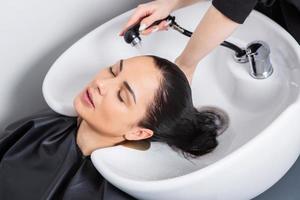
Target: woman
pixel 143 98
pixel 219 22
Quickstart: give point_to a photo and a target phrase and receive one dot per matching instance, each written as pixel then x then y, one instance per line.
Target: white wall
pixel 33 34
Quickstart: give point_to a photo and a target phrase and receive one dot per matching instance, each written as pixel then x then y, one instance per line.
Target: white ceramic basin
pixel 261 143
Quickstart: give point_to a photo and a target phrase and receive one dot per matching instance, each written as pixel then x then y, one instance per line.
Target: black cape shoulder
pixel 40 159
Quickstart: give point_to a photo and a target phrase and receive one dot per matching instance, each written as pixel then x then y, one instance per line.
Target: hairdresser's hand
pixel 149 13
pixel 188 70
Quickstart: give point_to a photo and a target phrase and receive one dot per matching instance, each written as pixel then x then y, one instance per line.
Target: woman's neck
pixel 89 140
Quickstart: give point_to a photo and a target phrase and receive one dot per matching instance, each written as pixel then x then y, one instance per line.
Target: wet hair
pixel 174 119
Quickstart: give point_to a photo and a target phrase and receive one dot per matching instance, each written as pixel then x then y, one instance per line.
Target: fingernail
pixel 154 30
pixel 168 23
pixel 142 27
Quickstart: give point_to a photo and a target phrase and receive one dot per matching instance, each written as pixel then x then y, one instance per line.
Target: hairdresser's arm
pixel 212 30
pixel 219 22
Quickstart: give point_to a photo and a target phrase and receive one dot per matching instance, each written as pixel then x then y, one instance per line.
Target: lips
pixel 90 97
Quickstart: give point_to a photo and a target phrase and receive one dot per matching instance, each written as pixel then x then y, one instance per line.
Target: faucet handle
pixel 258 54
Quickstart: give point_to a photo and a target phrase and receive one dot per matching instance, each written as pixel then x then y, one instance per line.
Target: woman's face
pixel 120 95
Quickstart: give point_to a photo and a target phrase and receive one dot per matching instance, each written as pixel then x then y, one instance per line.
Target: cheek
pixel 78 106
pixel 111 113
pixel 109 118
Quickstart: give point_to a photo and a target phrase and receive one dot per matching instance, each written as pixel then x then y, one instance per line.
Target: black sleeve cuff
pixel 236 10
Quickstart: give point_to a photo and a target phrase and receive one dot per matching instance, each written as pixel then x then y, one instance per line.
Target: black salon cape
pixel 40 159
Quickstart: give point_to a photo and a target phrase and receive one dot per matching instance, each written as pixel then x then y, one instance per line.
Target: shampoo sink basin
pixel 263 138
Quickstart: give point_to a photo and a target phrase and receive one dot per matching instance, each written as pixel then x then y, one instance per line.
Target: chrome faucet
pixel 258 56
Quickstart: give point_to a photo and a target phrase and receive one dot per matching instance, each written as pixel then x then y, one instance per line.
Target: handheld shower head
pixel 132 35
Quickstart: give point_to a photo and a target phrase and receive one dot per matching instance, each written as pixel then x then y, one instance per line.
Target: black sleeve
pixel 236 10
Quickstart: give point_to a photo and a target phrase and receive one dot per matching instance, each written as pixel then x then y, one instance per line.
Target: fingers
pixel 152 29
pixel 161 26
pixel 147 21
pixel 146 14
pixel 164 25
pixel 138 14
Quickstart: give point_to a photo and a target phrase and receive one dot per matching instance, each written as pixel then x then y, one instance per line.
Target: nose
pixel 101 87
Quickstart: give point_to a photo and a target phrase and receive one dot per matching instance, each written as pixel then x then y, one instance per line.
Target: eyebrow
pixel 126 83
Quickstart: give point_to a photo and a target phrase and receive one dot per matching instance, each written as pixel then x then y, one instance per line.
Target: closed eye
pixel 111 71
pixel 119 92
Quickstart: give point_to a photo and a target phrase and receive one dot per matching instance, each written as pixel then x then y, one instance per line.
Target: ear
pixel 139 134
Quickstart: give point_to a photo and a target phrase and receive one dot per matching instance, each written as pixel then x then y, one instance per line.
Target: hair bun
pixel 221 117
